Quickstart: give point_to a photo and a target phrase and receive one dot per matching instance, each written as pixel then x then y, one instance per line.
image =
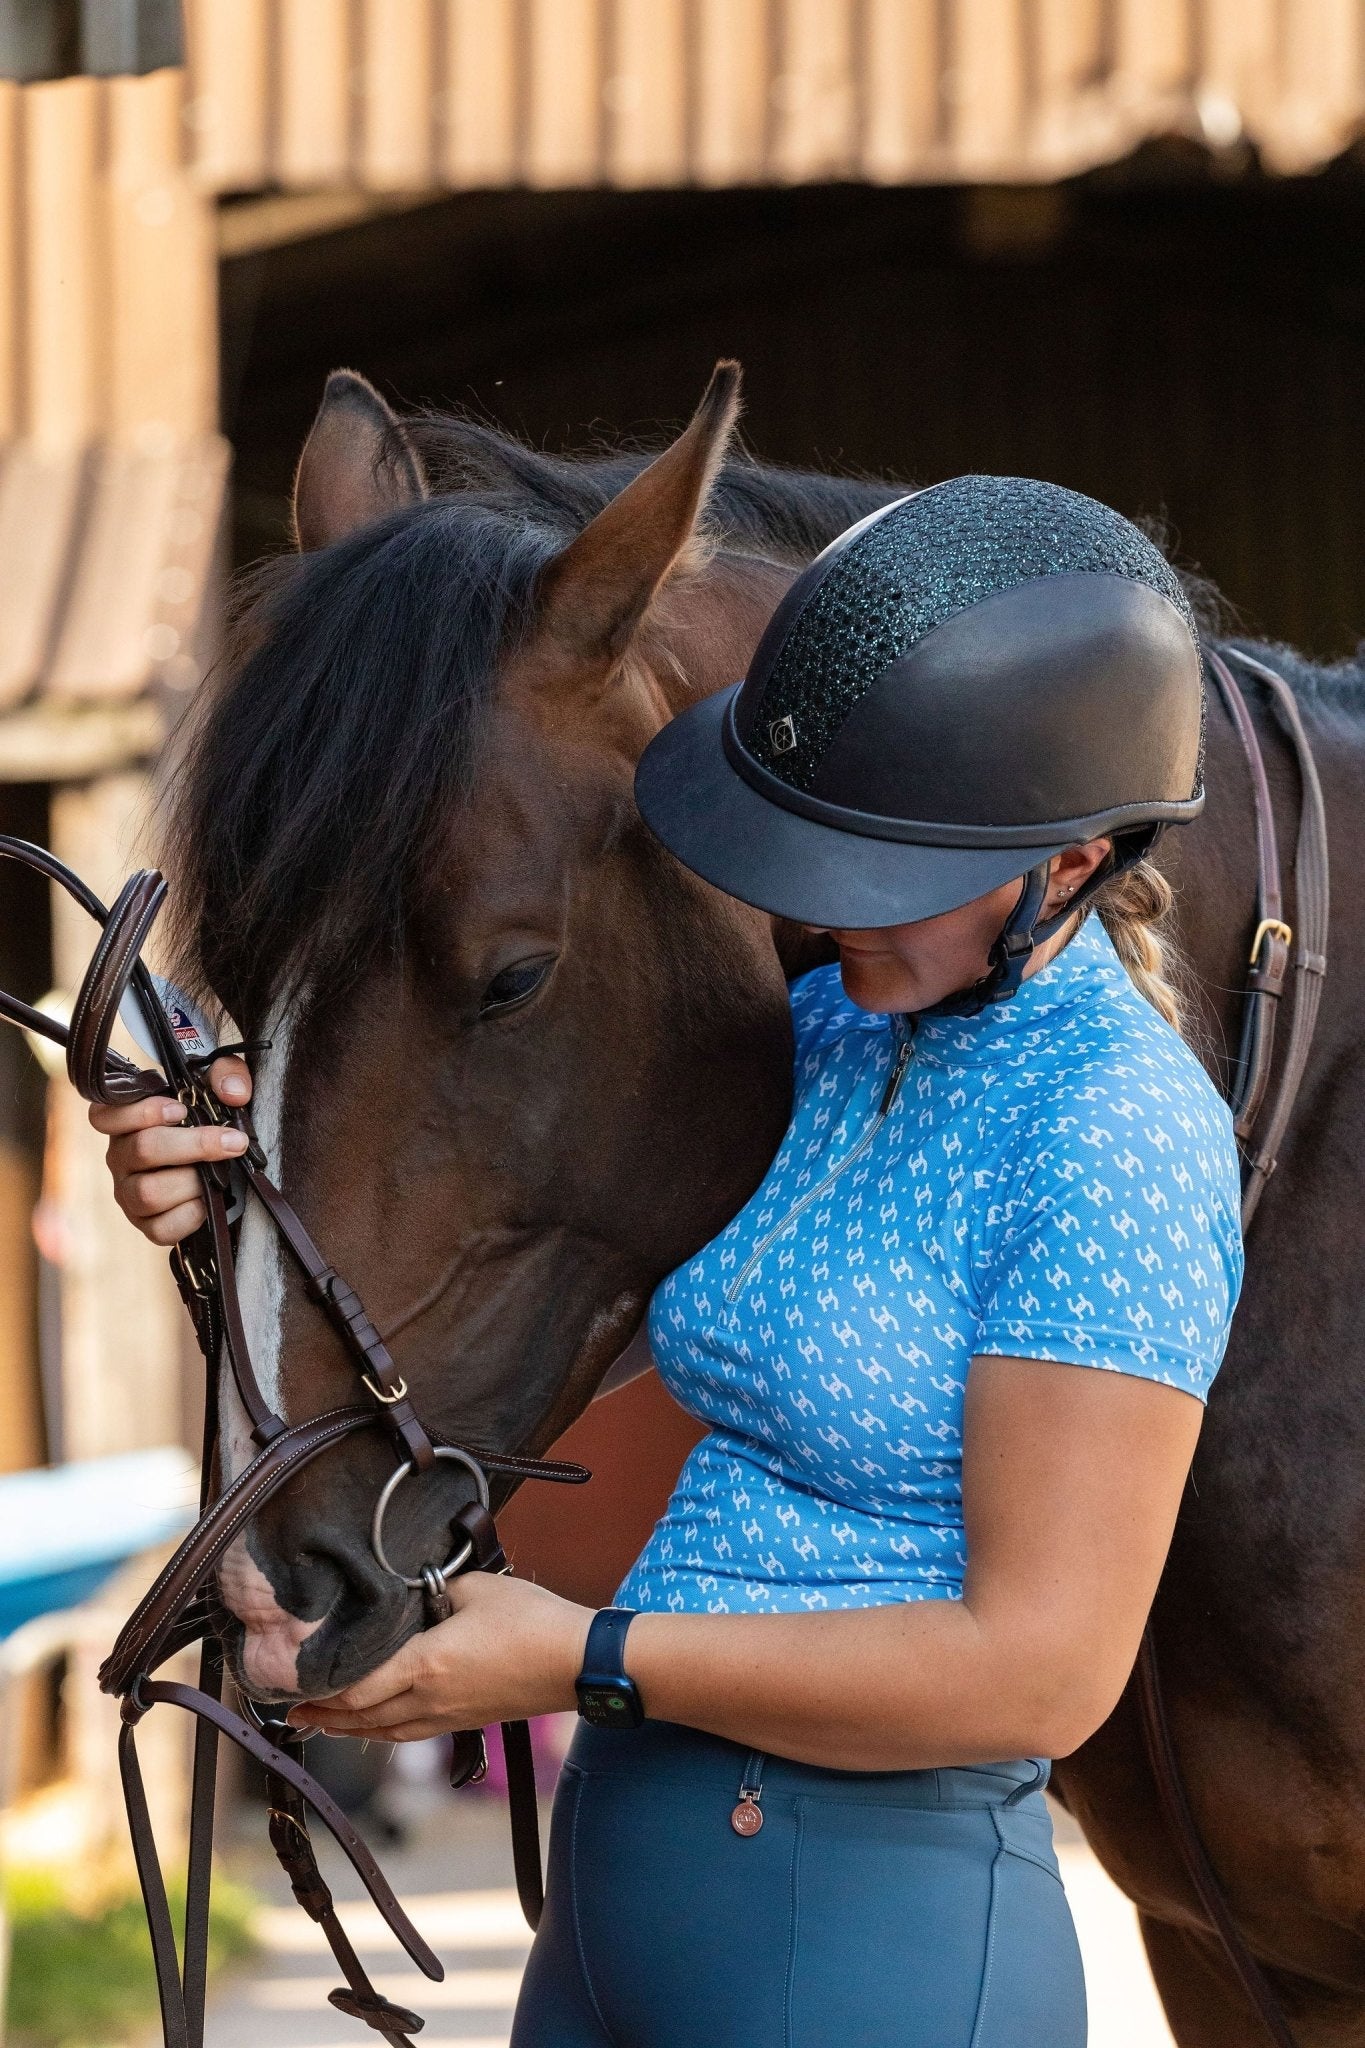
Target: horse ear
pixel 594 594
pixel 356 465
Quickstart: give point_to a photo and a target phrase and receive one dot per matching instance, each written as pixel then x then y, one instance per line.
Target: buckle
pixel 390 1399
pixel 1270 928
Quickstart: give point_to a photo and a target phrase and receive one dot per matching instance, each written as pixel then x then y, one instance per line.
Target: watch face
pixel 610 1706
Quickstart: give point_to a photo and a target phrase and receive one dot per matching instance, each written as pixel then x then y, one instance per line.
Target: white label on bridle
pixel 189 1024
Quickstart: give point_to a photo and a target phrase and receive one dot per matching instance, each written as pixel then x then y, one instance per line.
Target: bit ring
pixel 391 1485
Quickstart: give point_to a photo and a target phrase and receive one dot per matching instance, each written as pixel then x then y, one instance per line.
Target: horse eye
pixel 514 985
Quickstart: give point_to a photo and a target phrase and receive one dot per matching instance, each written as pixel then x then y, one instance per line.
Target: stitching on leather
pixel 580 1947
pixel 199 1558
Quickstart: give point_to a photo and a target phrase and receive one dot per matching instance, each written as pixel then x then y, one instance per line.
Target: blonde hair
pixel 1135 909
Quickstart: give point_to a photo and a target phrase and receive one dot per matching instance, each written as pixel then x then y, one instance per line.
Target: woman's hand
pixel 510 1650
pixel 153 1163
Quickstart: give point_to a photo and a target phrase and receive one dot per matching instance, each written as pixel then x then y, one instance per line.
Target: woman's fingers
pixel 230 1079
pixel 116 1119
pixel 155 1194
pixel 147 1150
pixel 376 1720
pixel 174 1224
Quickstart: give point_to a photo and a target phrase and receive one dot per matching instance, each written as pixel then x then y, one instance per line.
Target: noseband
pixel 175 1611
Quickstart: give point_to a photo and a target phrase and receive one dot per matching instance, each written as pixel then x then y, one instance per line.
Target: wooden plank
pixel 1239 53
pixel 985 65
pixel 813 91
pixel 477 113
pixel 1154 47
pixel 136 591
pixel 25 966
pixel 1320 84
pixel 63 354
pixel 563 143
pixel 1070 51
pixel 40 491
pixel 48 742
pixel 733 79
pixel 101 646
pixel 313 112
pixel 899 91
pixel 397 88
pixel 162 342
pixel 121 1337
pixel 11 254
pixel 189 550
pixel 228 51
pixel 646 93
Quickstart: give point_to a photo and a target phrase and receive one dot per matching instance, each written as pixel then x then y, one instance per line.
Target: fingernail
pixel 172 1112
pixel 234 1141
pixel 234 1088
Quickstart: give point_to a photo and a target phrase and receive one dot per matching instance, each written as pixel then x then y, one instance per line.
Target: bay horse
pixel 522 1064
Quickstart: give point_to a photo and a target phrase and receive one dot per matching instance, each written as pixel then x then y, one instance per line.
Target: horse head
pixel 521 1062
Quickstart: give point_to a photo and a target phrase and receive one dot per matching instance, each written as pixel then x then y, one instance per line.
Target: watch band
pixel 607 1696
pixel 604 1652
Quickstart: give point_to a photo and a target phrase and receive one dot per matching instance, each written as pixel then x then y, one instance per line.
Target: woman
pixel 953 1351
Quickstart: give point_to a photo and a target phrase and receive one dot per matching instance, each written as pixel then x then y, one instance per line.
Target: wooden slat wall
pixel 108 317
pixel 108 385
pixel 398 95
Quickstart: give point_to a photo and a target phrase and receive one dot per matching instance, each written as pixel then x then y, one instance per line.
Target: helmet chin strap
pixel 1022 934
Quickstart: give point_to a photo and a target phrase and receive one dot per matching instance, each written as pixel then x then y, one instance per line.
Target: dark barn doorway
pixel 1179 345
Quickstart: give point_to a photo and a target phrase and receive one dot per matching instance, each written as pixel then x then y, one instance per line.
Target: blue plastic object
pixel 67 1528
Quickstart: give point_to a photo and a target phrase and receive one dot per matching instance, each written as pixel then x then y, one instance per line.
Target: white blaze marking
pixel 260 1260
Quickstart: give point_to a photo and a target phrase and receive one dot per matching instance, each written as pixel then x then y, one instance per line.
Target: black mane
pixel 327 754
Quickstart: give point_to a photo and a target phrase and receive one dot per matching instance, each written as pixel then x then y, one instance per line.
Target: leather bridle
pixel 176 1610
pixel 1260 1119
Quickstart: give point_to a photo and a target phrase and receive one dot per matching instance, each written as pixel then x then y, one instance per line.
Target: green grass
pixel 83 1978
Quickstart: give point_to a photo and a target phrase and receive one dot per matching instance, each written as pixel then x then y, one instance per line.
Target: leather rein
pixel 1260 1119
pixel 177 1610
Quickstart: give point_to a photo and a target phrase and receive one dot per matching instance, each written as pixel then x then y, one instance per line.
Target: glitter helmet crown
pixel 963 684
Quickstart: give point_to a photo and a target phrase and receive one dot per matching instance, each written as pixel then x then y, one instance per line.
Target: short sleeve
pixel 1118 1240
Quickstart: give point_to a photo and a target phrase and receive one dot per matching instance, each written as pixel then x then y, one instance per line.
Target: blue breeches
pixel 911 1909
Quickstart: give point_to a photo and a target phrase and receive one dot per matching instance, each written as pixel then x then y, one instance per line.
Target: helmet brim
pixel 795 867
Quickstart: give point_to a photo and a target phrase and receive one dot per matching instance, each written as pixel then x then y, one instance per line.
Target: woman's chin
pixel 881 984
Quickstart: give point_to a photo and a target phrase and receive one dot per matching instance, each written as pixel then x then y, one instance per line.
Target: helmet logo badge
pixel 782 734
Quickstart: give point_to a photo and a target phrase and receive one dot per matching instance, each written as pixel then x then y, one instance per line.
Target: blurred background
pixel 1116 243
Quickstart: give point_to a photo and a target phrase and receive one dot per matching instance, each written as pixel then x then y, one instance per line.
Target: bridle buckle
pixel 389 1398
pixel 1270 928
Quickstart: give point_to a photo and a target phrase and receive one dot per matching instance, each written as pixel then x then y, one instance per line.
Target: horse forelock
pixel 343 730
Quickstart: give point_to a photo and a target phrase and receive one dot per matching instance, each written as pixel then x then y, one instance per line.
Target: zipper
pixel 905 1036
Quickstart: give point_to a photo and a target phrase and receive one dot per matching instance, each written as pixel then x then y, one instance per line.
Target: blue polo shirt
pixel 1054 1179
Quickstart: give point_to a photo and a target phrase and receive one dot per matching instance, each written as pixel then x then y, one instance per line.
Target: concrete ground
pixel 453 1873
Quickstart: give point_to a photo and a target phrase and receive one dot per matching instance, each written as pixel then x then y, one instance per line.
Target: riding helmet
pixel 963 684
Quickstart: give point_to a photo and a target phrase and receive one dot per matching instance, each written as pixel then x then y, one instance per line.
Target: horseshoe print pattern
pixel 1054 1179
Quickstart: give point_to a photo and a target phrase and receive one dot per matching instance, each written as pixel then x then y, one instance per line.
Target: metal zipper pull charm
pixel 747 1817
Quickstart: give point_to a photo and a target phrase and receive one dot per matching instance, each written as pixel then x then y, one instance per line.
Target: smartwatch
pixel 607 1698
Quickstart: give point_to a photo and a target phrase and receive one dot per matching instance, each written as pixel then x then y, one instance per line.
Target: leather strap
pixel 1269 959
pixel 1175 1807
pixel 1248 1094
pixel 1312 889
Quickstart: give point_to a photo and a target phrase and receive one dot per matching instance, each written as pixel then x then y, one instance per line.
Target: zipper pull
pixel 905 1046
pixel 747 1817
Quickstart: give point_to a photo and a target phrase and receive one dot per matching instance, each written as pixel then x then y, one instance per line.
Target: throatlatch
pixel 175 1611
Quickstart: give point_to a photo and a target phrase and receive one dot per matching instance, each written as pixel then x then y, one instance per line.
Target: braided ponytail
pixel 1135 910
